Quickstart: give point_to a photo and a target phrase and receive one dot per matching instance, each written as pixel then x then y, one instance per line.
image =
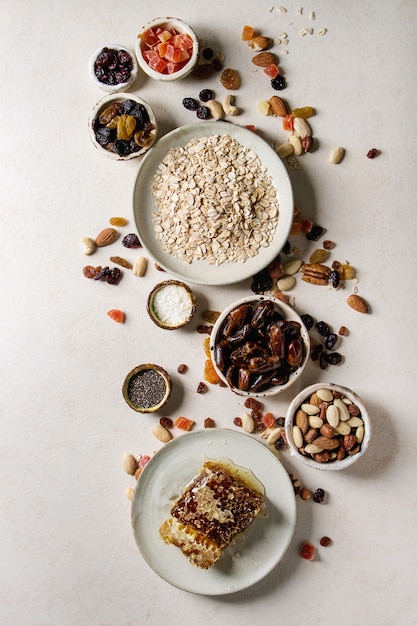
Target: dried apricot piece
pixel 247 33
pixel 210 374
pixel 230 79
pixel 116 315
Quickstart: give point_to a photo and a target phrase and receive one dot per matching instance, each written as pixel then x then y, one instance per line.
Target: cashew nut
pixel 90 245
pixel 216 109
pixel 228 107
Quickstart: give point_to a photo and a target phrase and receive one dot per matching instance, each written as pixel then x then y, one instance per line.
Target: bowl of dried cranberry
pixel 259 346
pixel 122 126
pixel 167 49
pixel 113 68
pixel 327 427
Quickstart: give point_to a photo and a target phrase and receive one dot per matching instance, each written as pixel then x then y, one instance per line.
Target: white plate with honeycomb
pixel 251 556
pixel 210 268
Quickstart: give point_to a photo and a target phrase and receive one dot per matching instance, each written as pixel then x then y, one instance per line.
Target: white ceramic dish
pixel 181 27
pixel 120 86
pixel 201 272
pixel 261 546
pixel 308 460
pixel 101 105
pixel 288 314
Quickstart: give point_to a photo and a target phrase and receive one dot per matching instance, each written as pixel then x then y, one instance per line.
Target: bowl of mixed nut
pixel 259 346
pixel 122 126
pixel 167 49
pixel 327 427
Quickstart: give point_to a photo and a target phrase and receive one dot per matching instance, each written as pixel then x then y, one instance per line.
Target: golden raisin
pixel 304 112
pixel 230 79
pixel 206 344
pixel 210 316
pixel 318 256
pixel 210 374
pixel 118 221
pixel 121 261
pixel 343 331
pixel 347 272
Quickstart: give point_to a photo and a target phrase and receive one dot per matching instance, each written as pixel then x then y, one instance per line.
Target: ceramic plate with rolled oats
pixel 213 203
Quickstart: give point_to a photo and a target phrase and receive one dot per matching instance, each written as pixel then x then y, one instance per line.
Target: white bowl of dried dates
pixel 327 427
pixel 167 49
pixel 259 346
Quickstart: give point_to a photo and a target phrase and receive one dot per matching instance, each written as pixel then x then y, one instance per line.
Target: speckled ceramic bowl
pixel 94 125
pixel 350 423
pixel 281 382
pixel 166 23
pixel 147 388
pixel 119 87
pixel 171 304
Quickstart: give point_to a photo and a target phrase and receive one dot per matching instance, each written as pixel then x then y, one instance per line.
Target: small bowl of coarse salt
pixel 171 304
pixel 147 388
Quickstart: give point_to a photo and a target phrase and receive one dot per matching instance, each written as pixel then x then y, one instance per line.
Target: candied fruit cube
pixel 248 33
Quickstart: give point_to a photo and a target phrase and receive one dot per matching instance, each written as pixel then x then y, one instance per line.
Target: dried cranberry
pixel 278 82
pixel 203 113
pixel 131 241
pixel 318 495
pixel 308 321
pixel 190 104
pixel 205 95
pixel 307 551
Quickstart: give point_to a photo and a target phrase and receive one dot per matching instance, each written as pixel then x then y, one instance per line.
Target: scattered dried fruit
pixel 121 261
pixel 118 221
pixel 117 315
pixel 183 423
pixel 372 153
pixel 307 551
pixel 230 79
pixel 325 541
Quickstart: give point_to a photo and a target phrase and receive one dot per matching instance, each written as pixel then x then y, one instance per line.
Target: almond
pixel 336 155
pixel 259 43
pixel 278 106
pixel 357 303
pixel 106 237
pixel 263 59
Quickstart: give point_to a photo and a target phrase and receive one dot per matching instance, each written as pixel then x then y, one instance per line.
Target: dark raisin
pixel 131 241
pixel 278 82
pixel 206 95
pixel 207 54
pixel 122 147
pixel 201 387
pixel 324 363
pixel 102 273
pixel 287 248
pixel 182 368
pixel 372 153
pixel 335 278
pixel 114 276
pixel 323 329
pixel 315 233
pixel 331 341
pixel 103 136
pixel 318 495
pixel 280 421
pixel 308 321
pixel 261 282
pixel 334 358
pixel 203 113
pixel 316 351
pixel 209 423
pixel 217 65
pixel 190 104
pixel 280 443
pixel 237 421
pixel 166 422
pixel 203 329
pixel 325 541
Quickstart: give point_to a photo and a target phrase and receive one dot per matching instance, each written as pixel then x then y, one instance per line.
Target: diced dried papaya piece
pixel 184 423
pixel 248 33
pixel 116 315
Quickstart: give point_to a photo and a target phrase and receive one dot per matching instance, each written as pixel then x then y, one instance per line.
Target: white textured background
pixel 68 556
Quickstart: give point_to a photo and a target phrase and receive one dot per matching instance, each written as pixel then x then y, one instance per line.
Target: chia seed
pixel 146 389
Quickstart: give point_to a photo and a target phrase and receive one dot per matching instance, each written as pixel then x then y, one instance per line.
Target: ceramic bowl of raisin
pixel 113 68
pixel 327 427
pixel 167 49
pixel 147 388
pixel 122 126
pixel 259 346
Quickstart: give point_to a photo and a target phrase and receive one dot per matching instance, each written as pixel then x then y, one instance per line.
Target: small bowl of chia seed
pixel 147 388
